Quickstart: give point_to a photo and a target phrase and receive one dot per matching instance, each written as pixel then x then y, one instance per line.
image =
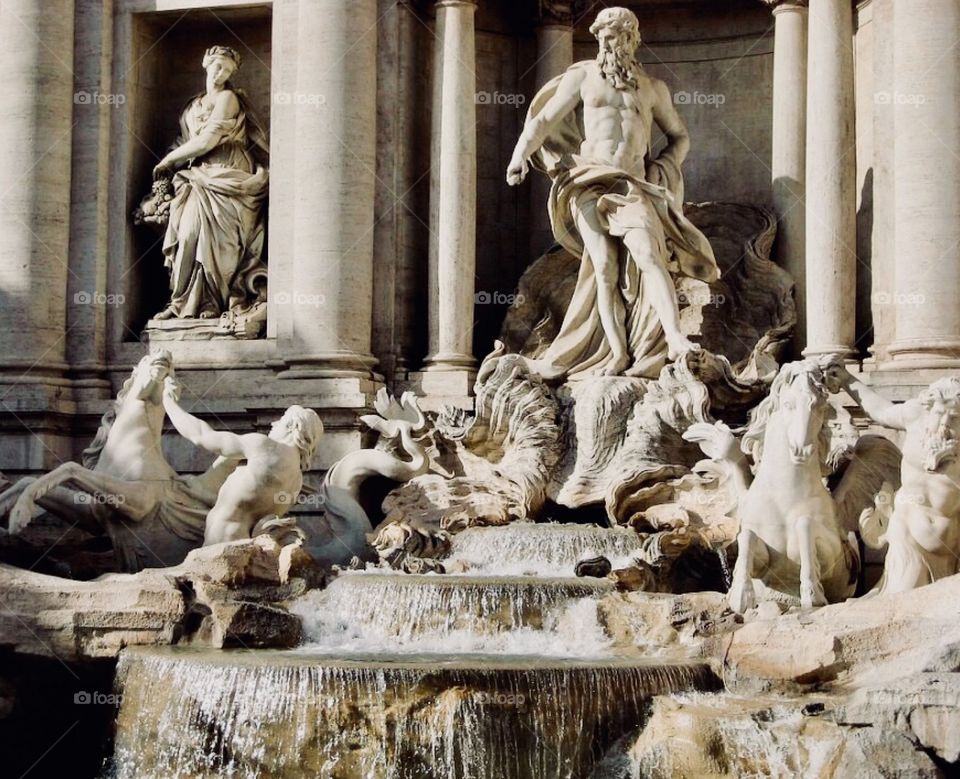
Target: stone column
pixel 36 91
pixel 788 159
pixel 927 174
pixel 831 214
pixel 453 193
pixel 330 302
pixel 554 56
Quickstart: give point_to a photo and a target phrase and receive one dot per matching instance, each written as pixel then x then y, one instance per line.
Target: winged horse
pixel 796 536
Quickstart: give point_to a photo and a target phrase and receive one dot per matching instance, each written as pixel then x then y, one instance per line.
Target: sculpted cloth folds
pixel 624 203
pixel 214 239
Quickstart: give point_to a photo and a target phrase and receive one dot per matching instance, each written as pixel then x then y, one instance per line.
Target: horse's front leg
pixel 132 499
pixel 752 557
pixel 811 590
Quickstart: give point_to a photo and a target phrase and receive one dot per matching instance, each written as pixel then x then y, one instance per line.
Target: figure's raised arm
pixel 196 430
pixel 539 125
pixel 669 121
pixel 878 408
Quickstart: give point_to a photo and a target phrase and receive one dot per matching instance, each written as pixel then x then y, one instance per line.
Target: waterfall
pixel 403 613
pixel 278 714
pixel 546 549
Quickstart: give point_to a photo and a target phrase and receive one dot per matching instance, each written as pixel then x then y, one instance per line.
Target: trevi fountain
pixel 480 389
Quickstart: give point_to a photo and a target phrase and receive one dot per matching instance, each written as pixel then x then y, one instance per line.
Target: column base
pixel 438 388
pixel 838 350
pixel 449 361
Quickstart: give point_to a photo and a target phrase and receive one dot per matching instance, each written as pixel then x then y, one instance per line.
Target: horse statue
pixel 796 536
pixel 125 486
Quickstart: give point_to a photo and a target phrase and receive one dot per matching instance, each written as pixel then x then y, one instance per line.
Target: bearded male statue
pixel 616 207
pixel 922 526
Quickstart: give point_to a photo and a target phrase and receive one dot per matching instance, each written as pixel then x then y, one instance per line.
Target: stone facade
pixel 394 244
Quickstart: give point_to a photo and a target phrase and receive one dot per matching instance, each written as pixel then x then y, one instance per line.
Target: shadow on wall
pixel 864 320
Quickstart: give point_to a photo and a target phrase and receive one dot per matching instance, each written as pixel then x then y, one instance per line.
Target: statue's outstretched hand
pixel 517 171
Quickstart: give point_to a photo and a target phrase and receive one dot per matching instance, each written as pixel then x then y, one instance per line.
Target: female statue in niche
pixel 215 219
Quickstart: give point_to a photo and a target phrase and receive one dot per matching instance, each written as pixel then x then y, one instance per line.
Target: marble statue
pixel 214 236
pixel 615 207
pixel 125 486
pixel 271 474
pixel 342 532
pixel 795 535
pixel 922 530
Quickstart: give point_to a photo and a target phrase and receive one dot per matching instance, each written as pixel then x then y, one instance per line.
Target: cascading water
pixel 261 714
pixel 475 675
pixel 377 613
pixel 527 548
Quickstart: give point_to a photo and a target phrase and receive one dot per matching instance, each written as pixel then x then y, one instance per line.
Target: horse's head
pixel 146 381
pixel 799 394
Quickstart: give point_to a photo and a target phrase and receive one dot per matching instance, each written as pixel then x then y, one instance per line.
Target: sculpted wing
pixel 874 460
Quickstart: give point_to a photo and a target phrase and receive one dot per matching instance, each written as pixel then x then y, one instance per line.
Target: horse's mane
pixel 752 442
pixel 90 456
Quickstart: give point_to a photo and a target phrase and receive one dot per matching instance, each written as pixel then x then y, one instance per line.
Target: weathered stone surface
pixel 860 642
pixel 925 706
pixel 722 736
pixel 220 596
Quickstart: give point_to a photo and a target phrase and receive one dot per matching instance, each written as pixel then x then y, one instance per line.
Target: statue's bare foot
pixel 167 313
pixel 680 345
pixel 617 365
pixel 811 594
pixel 208 315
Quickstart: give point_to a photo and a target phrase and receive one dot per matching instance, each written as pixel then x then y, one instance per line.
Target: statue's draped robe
pixel 214 239
pixel 625 203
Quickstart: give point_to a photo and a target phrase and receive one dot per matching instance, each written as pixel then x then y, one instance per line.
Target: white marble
pixel 927 170
pixel 789 152
pixel 831 174
pixel 453 189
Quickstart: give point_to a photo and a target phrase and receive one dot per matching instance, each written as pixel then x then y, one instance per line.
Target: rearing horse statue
pixel 795 535
pixel 125 486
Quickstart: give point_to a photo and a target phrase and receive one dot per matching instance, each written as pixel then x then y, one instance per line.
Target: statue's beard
pixel 937 449
pixel 619 67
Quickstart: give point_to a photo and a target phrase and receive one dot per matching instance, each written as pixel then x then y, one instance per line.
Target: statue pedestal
pixel 230 326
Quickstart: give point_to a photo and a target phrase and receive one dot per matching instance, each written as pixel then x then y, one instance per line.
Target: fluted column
pixel 927 183
pixel 453 189
pixel 330 301
pixel 788 159
pixel 554 56
pixel 831 175
pixel 36 91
